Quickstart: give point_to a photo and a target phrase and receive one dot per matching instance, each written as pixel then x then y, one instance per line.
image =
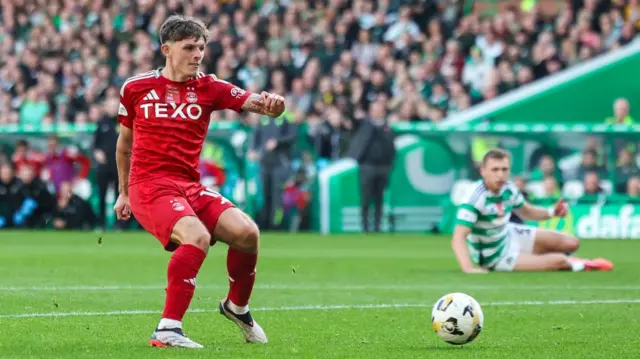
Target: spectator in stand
pixel 633 188
pixel 60 163
pixel 24 155
pixel 53 68
pixel 35 201
pixel 10 198
pixel 328 136
pixel 551 187
pixel 625 170
pixel 71 211
pixel 589 165
pixel 547 168
pixel 592 185
pixel 620 113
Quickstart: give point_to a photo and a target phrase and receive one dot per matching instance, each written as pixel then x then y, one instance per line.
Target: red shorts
pixel 158 204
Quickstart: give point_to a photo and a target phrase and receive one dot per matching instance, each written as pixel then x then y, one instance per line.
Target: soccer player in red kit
pixel 165 116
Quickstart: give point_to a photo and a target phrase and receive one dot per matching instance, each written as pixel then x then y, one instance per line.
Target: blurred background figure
pixel 373 147
pixel 71 211
pixel 104 155
pixel 35 201
pixel 272 146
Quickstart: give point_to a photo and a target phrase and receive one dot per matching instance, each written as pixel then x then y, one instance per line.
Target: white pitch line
pixel 364 287
pixel 321 307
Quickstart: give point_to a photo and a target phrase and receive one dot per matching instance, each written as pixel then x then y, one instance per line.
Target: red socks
pixel 181 274
pixel 242 274
pixel 183 270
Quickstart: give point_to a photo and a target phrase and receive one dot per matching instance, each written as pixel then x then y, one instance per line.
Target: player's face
pixel 186 55
pixel 496 173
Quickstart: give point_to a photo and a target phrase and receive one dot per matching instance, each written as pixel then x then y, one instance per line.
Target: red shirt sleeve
pixel 125 109
pixel 227 96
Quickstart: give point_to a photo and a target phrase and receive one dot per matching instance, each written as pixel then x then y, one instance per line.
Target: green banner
pixel 609 221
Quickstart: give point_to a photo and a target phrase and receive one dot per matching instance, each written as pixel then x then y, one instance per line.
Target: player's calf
pixel 184 265
pixel 242 234
pixel 545 262
pixel 548 241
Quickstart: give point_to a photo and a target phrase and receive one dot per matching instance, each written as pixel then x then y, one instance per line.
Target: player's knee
pixel 572 244
pixel 192 231
pixel 202 240
pixel 247 237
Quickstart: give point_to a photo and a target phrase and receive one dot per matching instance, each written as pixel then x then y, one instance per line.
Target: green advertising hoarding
pixel 609 221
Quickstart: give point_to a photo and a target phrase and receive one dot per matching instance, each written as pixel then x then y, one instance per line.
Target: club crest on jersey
pixel 177 206
pixel 191 97
pixel 237 92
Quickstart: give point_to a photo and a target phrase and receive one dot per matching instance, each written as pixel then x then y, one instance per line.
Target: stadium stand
pixel 62 62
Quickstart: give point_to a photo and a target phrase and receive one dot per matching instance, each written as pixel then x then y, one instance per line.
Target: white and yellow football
pixel 457 318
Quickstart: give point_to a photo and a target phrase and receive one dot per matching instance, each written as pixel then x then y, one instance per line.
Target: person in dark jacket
pixel 273 141
pixel 372 145
pixel 104 153
pixel 71 211
pixel 10 197
pixel 36 202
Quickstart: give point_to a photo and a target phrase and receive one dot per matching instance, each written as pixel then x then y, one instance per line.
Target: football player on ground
pixel 165 116
pixel 484 234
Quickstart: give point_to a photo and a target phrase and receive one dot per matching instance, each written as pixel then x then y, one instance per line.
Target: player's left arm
pixel 229 96
pixel 536 213
pixel 266 103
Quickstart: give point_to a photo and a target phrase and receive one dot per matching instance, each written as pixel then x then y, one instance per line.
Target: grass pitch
pixel 64 295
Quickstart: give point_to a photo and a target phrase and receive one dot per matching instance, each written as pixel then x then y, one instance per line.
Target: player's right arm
pixel 123 158
pixel 465 219
pixel 124 148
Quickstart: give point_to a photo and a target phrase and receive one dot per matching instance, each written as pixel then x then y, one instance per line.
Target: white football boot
pixel 172 337
pixel 251 330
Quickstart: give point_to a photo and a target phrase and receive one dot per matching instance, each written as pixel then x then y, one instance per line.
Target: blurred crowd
pixel 602 170
pixel 36 188
pixel 336 61
pixel 64 60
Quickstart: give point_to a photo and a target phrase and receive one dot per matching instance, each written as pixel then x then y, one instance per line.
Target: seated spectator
pixel 329 135
pixel 23 155
pixel 10 198
pixel 620 113
pixel 589 164
pixel 295 202
pixel 60 163
pixel 547 168
pixel 551 187
pixel 35 202
pixel 625 170
pixel 71 211
pixel 633 188
pixel 593 191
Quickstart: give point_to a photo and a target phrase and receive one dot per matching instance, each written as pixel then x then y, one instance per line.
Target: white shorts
pixel 521 239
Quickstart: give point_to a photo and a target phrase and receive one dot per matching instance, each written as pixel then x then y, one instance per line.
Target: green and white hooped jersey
pixel 487 214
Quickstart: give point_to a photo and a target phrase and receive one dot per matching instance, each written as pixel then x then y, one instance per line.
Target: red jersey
pixel 170 121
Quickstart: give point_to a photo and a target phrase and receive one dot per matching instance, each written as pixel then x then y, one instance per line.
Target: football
pixel 457 318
